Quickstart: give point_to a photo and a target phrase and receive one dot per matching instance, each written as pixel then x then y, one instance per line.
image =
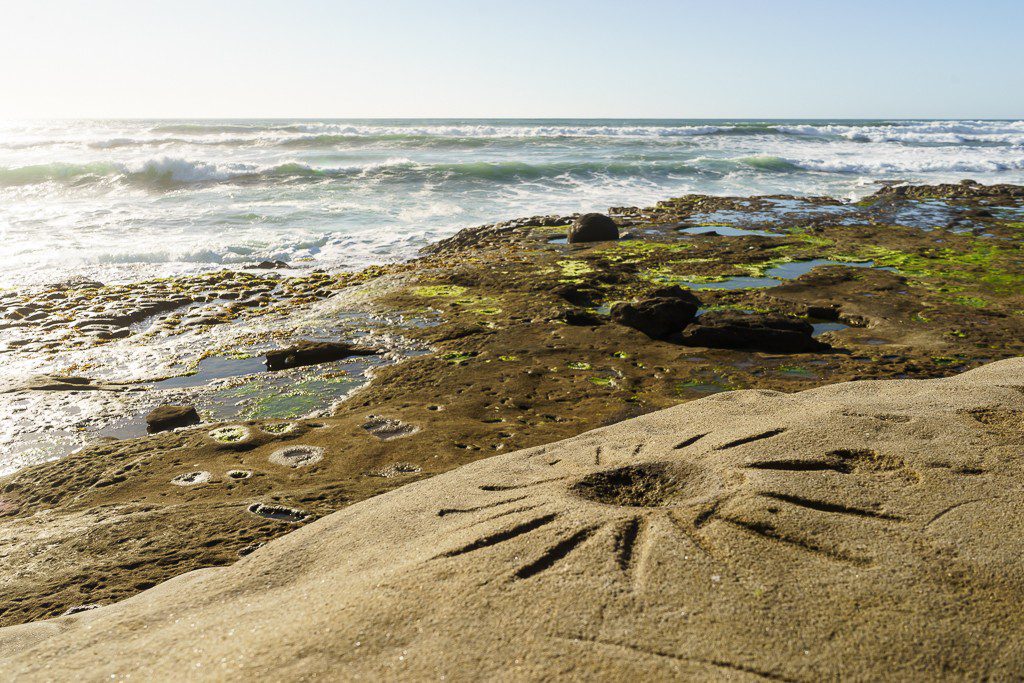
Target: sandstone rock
pixel 862 531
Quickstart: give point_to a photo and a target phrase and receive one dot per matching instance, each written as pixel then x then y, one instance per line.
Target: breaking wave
pixel 170 171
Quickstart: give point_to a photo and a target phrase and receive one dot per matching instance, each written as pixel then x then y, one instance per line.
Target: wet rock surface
pixel 81 314
pixel 931 295
pixel 313 353
pixel 62 383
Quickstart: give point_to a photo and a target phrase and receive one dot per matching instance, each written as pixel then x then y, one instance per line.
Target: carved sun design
pixel 686 493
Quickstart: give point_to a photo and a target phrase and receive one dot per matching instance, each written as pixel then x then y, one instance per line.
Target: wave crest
pixel 172 171
pixel 474 134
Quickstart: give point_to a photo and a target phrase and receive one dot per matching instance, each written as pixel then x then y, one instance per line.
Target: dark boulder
pixel 593 227
pixel 313 353
pixel 823 312
pixel 734 330
pixel 662 315
pixel 168 417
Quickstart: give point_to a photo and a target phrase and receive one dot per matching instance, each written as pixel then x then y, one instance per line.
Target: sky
pixel 557 58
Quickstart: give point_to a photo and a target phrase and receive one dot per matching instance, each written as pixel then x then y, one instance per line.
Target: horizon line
pixel 350 117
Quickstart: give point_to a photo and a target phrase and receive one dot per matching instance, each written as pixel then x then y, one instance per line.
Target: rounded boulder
pixel 593 227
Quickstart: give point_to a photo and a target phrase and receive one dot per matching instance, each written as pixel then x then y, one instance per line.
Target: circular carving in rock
pixel 278 428
pixel 280 513
pixel 191 479
pixel 297 456
pixel 230 434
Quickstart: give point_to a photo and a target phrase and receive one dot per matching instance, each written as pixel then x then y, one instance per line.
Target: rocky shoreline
pixel 502 337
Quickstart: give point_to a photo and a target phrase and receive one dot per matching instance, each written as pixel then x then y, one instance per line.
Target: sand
pixel 859 531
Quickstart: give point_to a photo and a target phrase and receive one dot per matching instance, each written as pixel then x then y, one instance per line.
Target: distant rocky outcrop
pixel 965 189
pixel 269 265
pixel 61 383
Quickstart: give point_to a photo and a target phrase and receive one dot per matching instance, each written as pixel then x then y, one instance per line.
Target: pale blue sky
pixel 572 58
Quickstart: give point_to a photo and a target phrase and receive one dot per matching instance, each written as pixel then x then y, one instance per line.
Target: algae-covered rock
pixel 736 330
pixel 660 316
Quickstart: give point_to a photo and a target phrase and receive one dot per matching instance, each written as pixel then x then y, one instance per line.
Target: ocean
pixel 124 200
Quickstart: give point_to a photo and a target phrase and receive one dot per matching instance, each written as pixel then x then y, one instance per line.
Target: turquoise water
pixel 119 200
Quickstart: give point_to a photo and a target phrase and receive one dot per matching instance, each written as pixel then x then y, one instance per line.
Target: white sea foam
pixel 327 134
pixel 920 132
pixel 127 199
pixel 881 167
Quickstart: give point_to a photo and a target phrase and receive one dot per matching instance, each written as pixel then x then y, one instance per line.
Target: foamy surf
pixel 127 199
